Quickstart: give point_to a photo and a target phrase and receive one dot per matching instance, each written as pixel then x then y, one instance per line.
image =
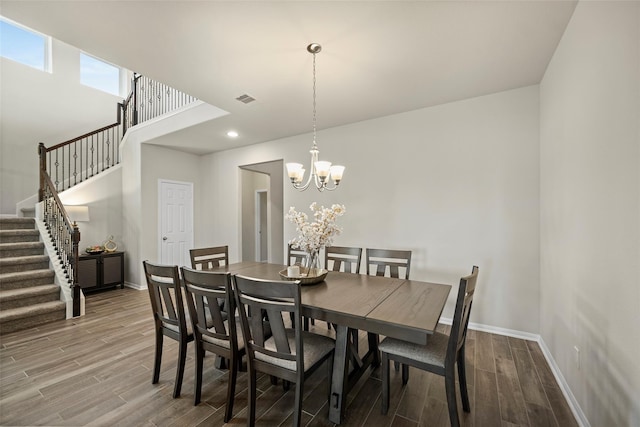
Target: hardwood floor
pixel 96 370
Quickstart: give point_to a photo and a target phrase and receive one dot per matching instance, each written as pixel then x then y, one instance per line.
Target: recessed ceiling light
pixel 232 134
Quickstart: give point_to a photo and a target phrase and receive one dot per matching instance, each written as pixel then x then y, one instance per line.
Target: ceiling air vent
pixel 245 98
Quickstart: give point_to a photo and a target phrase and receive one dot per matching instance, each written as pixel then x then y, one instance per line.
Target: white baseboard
pixel 135 286
pixel 497 330
pixel 578 414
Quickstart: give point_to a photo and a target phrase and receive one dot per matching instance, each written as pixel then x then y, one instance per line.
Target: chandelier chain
pixel 314 100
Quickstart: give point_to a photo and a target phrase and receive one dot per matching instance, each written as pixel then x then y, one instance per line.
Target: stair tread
pixel 31 310
pixel 21 245
pixel 11 294
pixel 19 232
pixel 17 224
pixel 24 259
pixel 43 272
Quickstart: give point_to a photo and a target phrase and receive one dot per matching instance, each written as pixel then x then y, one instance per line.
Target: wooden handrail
pixel 86 135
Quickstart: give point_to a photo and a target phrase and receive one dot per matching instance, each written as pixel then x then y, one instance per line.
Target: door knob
pixel 164 238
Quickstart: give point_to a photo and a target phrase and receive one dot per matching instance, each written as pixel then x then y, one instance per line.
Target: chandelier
pixel 321 171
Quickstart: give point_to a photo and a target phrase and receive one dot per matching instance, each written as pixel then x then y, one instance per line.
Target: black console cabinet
pixel 101 271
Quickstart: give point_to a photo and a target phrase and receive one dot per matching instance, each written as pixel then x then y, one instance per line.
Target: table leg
pixel 339 377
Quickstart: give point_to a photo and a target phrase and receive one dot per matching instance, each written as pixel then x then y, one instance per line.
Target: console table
pixel 101 271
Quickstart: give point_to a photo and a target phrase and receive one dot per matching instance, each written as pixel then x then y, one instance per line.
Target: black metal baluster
pixel 101 167
pixel 68 174
pixel 57 165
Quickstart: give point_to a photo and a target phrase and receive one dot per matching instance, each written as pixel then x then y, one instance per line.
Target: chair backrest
pixel 209 258
pixel 341 256
pixel 165 292
pixel 259 300
pixel 204 291
pixel 295 256
pixel 461 312
pixel 395 260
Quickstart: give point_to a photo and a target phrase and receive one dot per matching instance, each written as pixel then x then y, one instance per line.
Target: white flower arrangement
pixel 314 235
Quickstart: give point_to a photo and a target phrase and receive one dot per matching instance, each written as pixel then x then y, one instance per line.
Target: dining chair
pixel 440 354
pixel 383 261
pixel 388 260
pixel 209 258
pixel 342 258
pixel 289 354
pixel 165 293
pixel 298 257
pixel 295 256
pixel 212 329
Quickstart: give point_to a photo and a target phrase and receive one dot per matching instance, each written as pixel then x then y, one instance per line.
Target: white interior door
pixel 176 222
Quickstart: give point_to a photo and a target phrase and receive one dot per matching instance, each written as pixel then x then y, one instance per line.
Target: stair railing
pixel 65 237
pixel 69 163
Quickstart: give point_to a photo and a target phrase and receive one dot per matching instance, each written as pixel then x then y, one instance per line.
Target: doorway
pixel 262 200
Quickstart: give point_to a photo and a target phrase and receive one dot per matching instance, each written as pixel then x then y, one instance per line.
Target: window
pixel 23 45
pixel 99 74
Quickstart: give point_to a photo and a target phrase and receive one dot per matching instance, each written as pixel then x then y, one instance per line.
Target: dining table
pixel 399 308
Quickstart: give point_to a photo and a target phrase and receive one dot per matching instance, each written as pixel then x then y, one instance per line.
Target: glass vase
pixel 312 263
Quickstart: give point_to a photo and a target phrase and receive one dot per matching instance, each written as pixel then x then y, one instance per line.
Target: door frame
pixel 258 217
pixel 159 212
pixel 275 170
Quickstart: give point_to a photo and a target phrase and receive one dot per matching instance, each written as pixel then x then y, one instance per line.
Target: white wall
pixel 590 210
pixel 37 106
pixel 458 184
pixel 103 196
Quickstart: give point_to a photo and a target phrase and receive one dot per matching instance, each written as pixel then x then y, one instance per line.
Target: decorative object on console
pixel 94 250
pixel 321 171
pixel 110 245
pixel 313 236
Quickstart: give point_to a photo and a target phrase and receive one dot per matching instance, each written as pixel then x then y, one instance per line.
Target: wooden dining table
pixel 403 309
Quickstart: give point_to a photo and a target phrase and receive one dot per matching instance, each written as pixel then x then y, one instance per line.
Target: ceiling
pixel 378 57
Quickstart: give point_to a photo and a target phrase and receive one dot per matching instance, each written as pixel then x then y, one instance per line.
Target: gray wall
pixel 458 184
pixel 590 210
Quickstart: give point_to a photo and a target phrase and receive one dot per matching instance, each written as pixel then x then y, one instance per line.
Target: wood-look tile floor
pixel 96 370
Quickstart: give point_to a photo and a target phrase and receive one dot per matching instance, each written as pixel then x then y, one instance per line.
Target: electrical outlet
pixel 575 347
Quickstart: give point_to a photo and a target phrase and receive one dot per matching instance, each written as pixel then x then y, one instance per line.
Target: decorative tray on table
pixel 317 275
pixel 94 250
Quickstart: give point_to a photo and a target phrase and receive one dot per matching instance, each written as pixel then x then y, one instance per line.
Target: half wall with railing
pixel 69 163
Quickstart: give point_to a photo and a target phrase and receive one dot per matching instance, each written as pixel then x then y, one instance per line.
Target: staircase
pixel 28 295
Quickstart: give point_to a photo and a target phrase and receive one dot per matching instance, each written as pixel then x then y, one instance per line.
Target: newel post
pixel 135 98
pixel 122 113
pixel 42 154
pixel 75 240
